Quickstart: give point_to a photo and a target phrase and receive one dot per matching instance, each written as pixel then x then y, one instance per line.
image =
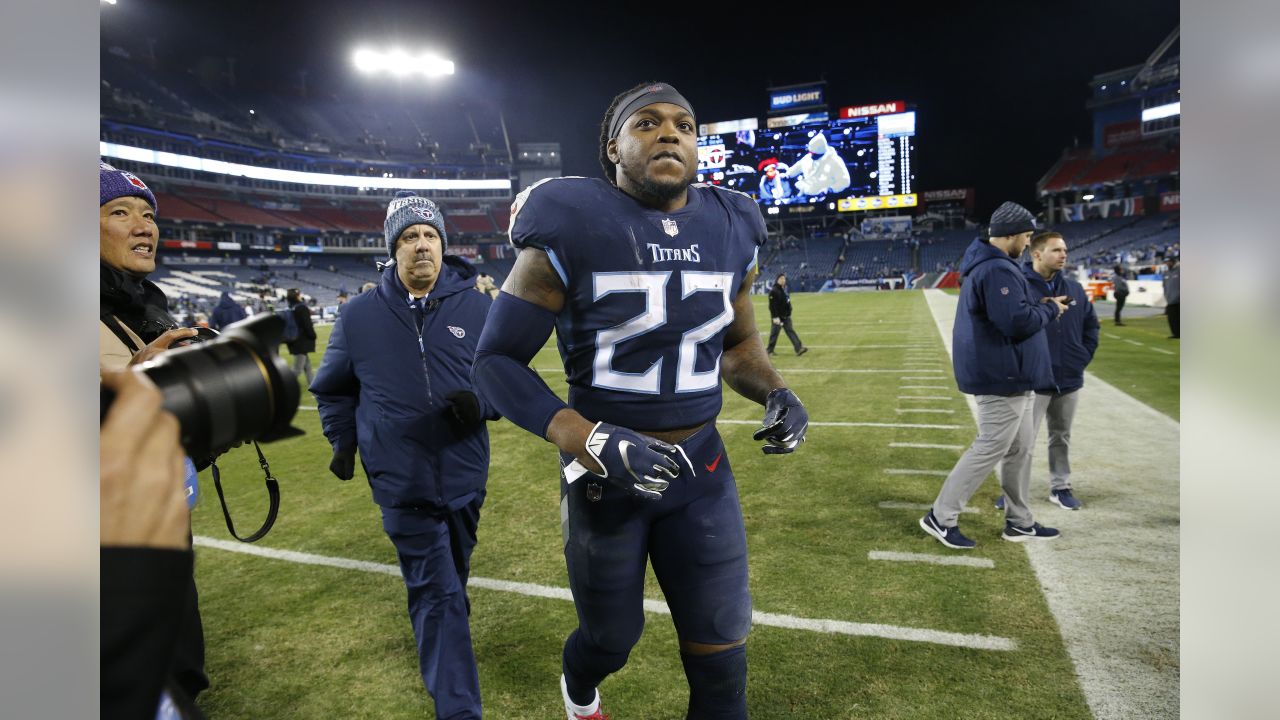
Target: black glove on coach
pixel 343 464
pixel 463 412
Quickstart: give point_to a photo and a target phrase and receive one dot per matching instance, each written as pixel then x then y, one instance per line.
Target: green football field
pixel 838 634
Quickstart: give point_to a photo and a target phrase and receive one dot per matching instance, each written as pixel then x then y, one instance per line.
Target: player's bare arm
pixel 532 279
pixel 745 365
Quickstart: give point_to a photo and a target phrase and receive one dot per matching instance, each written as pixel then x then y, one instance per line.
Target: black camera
pixel 228 388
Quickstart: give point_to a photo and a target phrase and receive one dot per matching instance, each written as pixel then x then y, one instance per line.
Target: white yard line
pixel 1111 581
pixel 862 347
pixel 816 423
pixel 907 426
pixel 906 471
pixel 895 505
pixel 960 560
pixel 927 446
pixel 925 387
pixel 838 627
pixel 923 410
pixel 1135 342
pixel 925 397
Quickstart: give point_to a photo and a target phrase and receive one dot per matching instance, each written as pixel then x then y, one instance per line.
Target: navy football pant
pixel 695 539
pixel 435 559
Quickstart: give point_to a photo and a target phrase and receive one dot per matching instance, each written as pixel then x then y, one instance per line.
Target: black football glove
pixel 343 464
pixel 639 464
pixel 785 422
pixel 463 412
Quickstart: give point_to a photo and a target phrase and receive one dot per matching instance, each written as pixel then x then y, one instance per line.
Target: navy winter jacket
pixel 227 311
pixel 382 387
pixel 1073 338
pixel 997 344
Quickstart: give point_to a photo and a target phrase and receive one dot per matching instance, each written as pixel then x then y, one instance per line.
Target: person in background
pixel 1173 296
pixel 1073 339
pixel 305 344
pixel 227 311
pixel 1000 355
pixel 780 313
pixel 135 326
pixel 1121 290
pixel 395 382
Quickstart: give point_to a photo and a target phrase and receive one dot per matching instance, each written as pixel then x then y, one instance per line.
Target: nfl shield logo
pixel 669 227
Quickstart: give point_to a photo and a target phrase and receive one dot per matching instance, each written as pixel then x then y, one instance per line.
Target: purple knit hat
pixel 113 183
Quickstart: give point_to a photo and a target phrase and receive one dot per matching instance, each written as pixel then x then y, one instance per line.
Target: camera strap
pixel 273 493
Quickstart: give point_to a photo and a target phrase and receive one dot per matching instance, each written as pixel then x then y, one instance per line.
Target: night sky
pixel 1000 89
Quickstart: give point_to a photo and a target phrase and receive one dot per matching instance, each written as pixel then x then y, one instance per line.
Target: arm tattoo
pixel 533 280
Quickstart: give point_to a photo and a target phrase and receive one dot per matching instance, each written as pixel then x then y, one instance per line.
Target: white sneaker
pixel 573 711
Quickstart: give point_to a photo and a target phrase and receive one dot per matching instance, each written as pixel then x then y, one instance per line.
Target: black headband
pixel 647 95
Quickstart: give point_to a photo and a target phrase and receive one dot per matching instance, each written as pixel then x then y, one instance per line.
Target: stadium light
pixel 401 64
pixel 219 167
pixel 1161 111
pixel 1087 198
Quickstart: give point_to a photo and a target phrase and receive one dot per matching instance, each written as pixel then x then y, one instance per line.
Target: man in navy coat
pixel 1000 355
pixel 1073 340
pixel 395 382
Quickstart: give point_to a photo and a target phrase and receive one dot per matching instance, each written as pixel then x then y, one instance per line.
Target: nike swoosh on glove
pixel 785 422
pixel 639 464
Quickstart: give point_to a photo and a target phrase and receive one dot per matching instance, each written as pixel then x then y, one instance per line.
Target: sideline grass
pixel 290 641
pixel 1142 370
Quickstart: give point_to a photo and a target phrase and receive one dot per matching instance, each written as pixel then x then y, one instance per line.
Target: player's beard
pixel 662 191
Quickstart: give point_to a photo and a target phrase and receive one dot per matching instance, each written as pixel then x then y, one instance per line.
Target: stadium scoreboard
pixel 862 159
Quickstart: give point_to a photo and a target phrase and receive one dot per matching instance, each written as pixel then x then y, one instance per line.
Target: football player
pixel 645 278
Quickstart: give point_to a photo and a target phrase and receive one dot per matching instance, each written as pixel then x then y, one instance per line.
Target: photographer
pixel 135 327
pixel 145 552
pixel 395 381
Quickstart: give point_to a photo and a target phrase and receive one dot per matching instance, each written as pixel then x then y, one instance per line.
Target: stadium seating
pixel 1073 165
pixel 173 207
pixel 875 258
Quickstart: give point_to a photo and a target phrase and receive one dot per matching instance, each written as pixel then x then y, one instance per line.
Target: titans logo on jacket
pixel 649 295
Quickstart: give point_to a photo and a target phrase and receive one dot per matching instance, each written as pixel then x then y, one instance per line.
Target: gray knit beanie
pixel 1011 219
pixel 408 208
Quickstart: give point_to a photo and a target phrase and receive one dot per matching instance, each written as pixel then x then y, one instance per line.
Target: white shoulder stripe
pixel 524 195
pixel 725 189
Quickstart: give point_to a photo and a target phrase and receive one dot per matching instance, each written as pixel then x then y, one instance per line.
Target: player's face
pixel 418 255
pixel 656 151
pixel 127 235
pixel 1053 255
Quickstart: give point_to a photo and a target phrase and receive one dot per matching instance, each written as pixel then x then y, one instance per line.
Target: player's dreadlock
pixel 610 170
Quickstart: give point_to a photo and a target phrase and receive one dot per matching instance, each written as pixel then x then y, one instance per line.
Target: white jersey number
pixel 654 287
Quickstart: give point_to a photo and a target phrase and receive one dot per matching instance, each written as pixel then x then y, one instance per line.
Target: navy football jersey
pixel 649 294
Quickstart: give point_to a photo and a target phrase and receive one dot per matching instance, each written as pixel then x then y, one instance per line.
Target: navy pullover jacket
pixel 1073 338
pixel 998 347
pixel 382 386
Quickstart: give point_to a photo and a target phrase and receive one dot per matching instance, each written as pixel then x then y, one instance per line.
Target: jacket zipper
pixel 421 312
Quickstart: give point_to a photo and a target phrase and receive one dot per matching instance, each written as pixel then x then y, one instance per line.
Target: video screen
pixel 816 162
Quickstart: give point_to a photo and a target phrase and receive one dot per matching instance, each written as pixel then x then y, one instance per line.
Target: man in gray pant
pixel 1000 355
pixel 1073 339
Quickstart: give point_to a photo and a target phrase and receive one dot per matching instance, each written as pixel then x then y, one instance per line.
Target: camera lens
pixel 233 388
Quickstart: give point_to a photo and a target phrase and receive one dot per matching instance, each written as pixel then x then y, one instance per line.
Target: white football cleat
pixel 573 711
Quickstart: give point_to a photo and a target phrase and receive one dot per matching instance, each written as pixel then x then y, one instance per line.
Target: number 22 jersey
pixel 649 295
